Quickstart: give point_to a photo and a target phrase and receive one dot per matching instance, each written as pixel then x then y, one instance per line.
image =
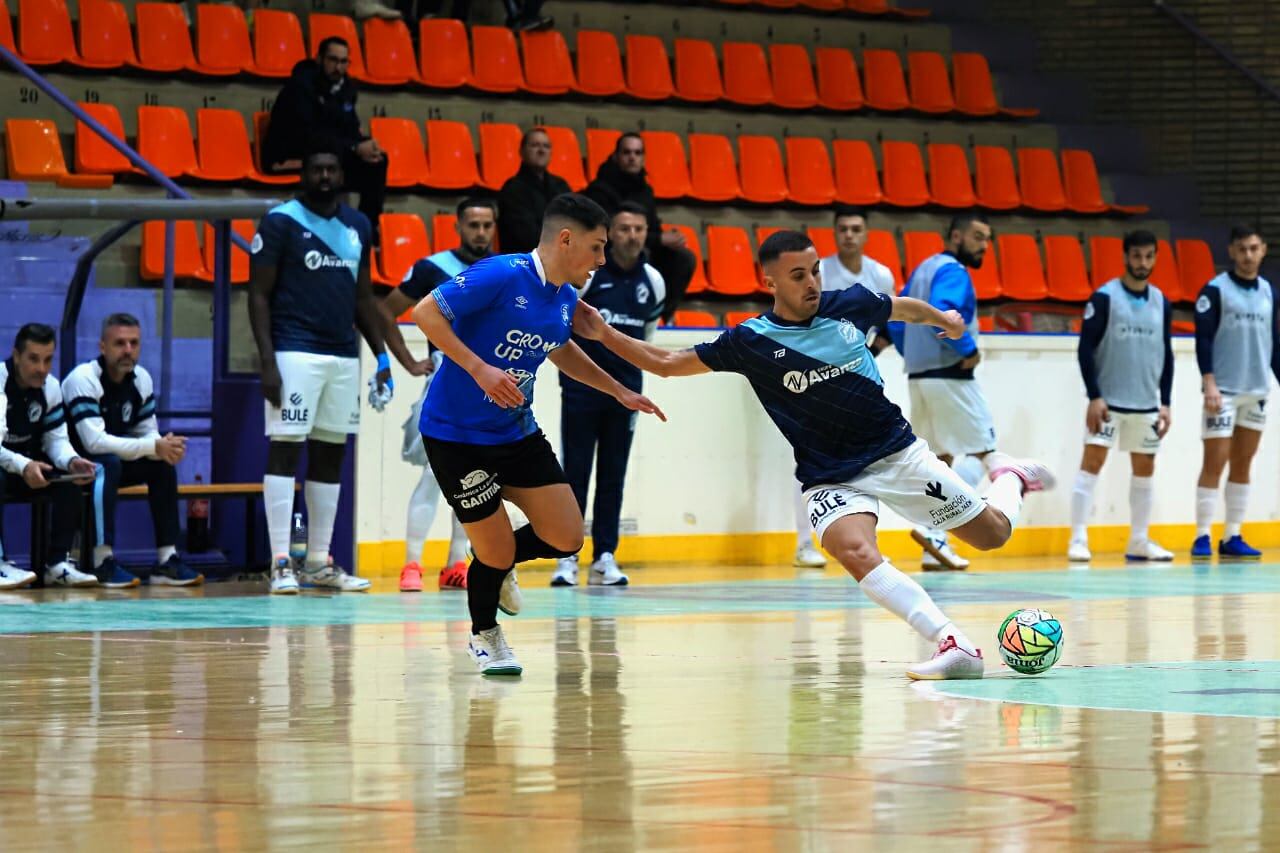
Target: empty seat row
pixel 865 7
pixel 487 59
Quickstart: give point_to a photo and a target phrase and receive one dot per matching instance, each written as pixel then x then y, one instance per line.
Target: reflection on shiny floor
pixel 751 709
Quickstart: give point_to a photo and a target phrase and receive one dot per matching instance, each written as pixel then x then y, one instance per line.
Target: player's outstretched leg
pixel 493 545
pixel 852 540
pixel 554 531
pixel 1011 480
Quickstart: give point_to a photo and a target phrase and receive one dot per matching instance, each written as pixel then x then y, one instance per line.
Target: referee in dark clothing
pixel 527 193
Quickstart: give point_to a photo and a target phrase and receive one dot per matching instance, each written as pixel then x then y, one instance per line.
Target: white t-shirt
pixel 875 276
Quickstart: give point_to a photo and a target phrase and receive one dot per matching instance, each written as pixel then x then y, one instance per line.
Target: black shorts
pixel 472 476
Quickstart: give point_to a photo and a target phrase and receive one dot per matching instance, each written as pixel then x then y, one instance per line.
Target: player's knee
pixel 991 531
pixel 568 542
pixel 283 455
pixel 324 459
pixel 857 556
pixel 499 555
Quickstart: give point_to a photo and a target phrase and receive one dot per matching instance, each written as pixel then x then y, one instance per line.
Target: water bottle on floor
pixel 298 540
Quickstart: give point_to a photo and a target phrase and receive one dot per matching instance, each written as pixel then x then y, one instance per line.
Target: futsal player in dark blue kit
pixel 807 361
pixel 496 323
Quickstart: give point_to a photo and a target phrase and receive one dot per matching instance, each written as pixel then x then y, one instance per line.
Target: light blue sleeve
pixel 952 290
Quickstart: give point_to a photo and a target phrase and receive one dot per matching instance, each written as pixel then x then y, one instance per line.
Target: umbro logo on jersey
pixel 295 398
pixel 780 353
pixel 934 490
pixel 521 302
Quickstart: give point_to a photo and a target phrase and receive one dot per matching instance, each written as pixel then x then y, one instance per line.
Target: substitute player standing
pixel 1126 360
pixel 496 324
pixel 1237 338
pixel 948 407
pixel 309 291
pixel 809 365
pixel 477 220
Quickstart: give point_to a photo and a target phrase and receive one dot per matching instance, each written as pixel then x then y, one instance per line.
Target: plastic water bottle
pixel 298 539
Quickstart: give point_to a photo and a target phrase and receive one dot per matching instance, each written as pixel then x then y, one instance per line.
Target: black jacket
pixel 309 107
pixel 613 186
pixel 520 204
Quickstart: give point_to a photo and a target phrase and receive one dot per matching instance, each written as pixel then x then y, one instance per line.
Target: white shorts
pixel 412 449
pixel 913 482
pixel 952 415
pixel 1247 411
pixel 318 392
pixel 1135 432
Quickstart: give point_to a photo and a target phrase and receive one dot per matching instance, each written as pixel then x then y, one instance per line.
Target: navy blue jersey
pixel 507 313
pixel 313 305
pixel 428 274
pixel 819 383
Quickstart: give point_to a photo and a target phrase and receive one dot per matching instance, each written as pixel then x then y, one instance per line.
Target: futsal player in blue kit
pixel 807 361
pixel 496 323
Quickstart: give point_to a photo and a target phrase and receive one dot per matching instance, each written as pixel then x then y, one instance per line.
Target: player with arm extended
pixel 806 360
pixel 496 324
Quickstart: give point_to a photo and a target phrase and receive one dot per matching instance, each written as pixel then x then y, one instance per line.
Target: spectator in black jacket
pixel 319 100
pixel 525 194
pixel 622 178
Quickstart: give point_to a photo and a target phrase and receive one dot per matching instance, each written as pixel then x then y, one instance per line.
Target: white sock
pixel 804 533
pixel 322 508
pixel 277 498
pixel 457 541
pixel 907 600
pixel 422 511
pixel 971 469
pixel 1141 498
pixel 1005 495
pixel 1237 498
pixel 1206 503
pixel 1082 505
pixel 100 553
pixel 163 554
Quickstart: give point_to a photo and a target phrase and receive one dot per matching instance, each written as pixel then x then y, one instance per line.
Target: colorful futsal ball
pixel 1030 640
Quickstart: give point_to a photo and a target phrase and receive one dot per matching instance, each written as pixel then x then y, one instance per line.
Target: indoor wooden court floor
pixel 709 709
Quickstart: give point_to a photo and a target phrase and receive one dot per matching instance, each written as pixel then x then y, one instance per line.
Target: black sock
pixel 484 587
pixel 530 547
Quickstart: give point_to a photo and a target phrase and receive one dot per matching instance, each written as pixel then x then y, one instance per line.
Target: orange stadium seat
pixel 599 64
pixel 930 86
pixel 824 240
pixel 404 242
pixel 223 151
pixel 975 93
pixel 713 174
pixel 406 155
pixel 950 182
pixel 666 164
pixel 6 32
pixel 997 184
pixel 697 284
pixel 106 39
pixel 697 71
pixel 1195 263
pixel 499 154
pixel 495 62
pixel 33 152
pixel 444 53
pixel 165 141
pixel 648 69
pixel 600 145
pixel 222 39
pixel 696 320
pixel 882 7
pixel 883 82
pixel 1066 276
pixel 321 26
pixel 389 51
pixel 1106 259
pixel 444 232
pixel 986 279
pixel 824 5
pixel 451 156
pixel 93 154
pixel 1039 180
pixel 566 157
pixel 884 248
pixel 839 86
pixel 764 232
pixel 904 181
pixel 187 259
pixel 260 122
pixel 857 181
pixel 164 40
pixel 760 170
pixel 746 74
pixel 277 42
pixel 810 179
pixel 731 266
pixel 779 4
pixel 920 246
pixel 1165 274
pixel 792 74
pixel 733 318
pixel 547 67
pixel 239 257
pixel 44 32
pixel 1080 175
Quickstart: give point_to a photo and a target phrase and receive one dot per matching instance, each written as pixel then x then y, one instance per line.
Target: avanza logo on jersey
pixel 314 260
pixel 799 381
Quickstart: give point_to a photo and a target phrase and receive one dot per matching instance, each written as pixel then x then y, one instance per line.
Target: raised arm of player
pixel 390 307
pixel 262 281
pixel 369 321
pixel 908 310
pixel 571 360
pixel 588 323
pixel 501 386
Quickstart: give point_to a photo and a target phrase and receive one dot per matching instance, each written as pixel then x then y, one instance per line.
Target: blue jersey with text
pixel 317 259
pixel 819 383
pixel 509 315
